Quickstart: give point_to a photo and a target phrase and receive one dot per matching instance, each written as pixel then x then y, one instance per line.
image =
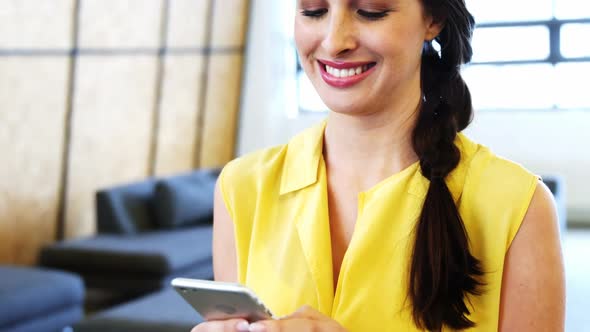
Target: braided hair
pixel 443 271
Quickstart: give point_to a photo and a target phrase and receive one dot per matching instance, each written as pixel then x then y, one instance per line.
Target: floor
pixel 576 252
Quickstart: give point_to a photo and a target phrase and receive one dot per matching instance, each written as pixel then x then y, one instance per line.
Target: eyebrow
pixel 356 2
pixel 315 2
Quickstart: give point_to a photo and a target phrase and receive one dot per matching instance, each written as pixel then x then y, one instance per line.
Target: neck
pixel 371 147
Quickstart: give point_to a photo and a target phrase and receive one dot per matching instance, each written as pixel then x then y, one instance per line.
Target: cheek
pixel 304 37
pixel 395 45
pixel 308 40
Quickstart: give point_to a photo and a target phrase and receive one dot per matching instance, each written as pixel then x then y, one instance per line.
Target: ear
pixel 433 28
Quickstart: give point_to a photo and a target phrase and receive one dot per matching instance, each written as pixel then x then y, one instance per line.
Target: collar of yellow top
pixel 304 151
pixel 302 160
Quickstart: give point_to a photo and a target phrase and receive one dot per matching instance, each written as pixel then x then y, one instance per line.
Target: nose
pixel 339 38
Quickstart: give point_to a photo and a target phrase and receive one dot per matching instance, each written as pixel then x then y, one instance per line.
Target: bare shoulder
pixel 224 245
pixel 533 284
pixel 542 208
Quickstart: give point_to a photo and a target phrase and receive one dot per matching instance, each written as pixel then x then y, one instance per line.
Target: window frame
pixel 554 25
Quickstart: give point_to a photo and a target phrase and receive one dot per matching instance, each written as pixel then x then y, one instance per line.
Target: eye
pixel 373 15
pixel 316 13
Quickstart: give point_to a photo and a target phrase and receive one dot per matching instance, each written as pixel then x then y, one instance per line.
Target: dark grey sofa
pixel 148 233
pixel 162 311
pixel 33 299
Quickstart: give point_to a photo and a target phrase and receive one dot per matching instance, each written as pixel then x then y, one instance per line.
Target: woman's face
pixel 362 55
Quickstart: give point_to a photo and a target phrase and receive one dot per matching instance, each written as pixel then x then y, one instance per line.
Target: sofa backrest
pixel 185 200
pixel 157 203
pixel 126 209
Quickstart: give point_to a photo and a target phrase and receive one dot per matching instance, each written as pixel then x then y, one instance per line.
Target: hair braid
pixel 443 271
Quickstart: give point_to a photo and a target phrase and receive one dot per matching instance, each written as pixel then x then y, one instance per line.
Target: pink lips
pixel 344 82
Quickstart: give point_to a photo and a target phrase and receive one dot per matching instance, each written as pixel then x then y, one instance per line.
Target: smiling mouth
pixel 347 72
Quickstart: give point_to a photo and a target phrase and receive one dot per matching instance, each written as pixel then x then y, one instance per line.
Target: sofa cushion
pixel 150 253
pixel 32 293
pixel 184 200
pixel 133 284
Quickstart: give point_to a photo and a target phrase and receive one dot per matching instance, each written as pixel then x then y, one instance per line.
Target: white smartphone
pixel 215 300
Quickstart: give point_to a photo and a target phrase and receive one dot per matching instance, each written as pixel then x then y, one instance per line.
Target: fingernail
pixel 257 327
pixel 243 326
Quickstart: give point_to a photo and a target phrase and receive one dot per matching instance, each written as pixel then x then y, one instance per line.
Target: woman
pixel 384 217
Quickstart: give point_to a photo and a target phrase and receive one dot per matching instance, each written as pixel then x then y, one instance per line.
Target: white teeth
pixel 346 72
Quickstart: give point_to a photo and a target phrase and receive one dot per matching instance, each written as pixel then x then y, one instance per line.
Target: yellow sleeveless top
pixel 277 199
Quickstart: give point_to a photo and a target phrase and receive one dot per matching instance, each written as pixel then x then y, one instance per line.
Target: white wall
pixel 546 142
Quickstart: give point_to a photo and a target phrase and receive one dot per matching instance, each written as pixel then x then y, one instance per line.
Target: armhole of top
pixel 224 196
pixel 227 201
pixel 514 228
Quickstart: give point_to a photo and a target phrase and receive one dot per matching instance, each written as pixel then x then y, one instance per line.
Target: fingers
pixel 286 325
pixel 295 325
pixel 306 312
pixel 231 325
pixel 305 319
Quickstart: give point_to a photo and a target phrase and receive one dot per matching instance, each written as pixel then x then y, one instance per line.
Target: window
pixel 527 55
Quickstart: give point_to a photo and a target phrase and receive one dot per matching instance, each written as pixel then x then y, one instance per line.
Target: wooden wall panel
pixel 111 131
pixel 229 23
pixel 35 24
pixel 221 110
pixel 187 23
pixel 120 23
pixel 177 134
pixel 32 120
pixel 115 106
pixel 229 28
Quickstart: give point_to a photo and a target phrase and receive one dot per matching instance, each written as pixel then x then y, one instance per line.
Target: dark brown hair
pixel 443 271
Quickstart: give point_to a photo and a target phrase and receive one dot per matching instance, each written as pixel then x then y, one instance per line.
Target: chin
pixel 347 101
pixel 346 106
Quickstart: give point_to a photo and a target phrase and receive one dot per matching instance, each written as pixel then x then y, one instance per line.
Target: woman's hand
pixel 306 319
pixel 231 325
